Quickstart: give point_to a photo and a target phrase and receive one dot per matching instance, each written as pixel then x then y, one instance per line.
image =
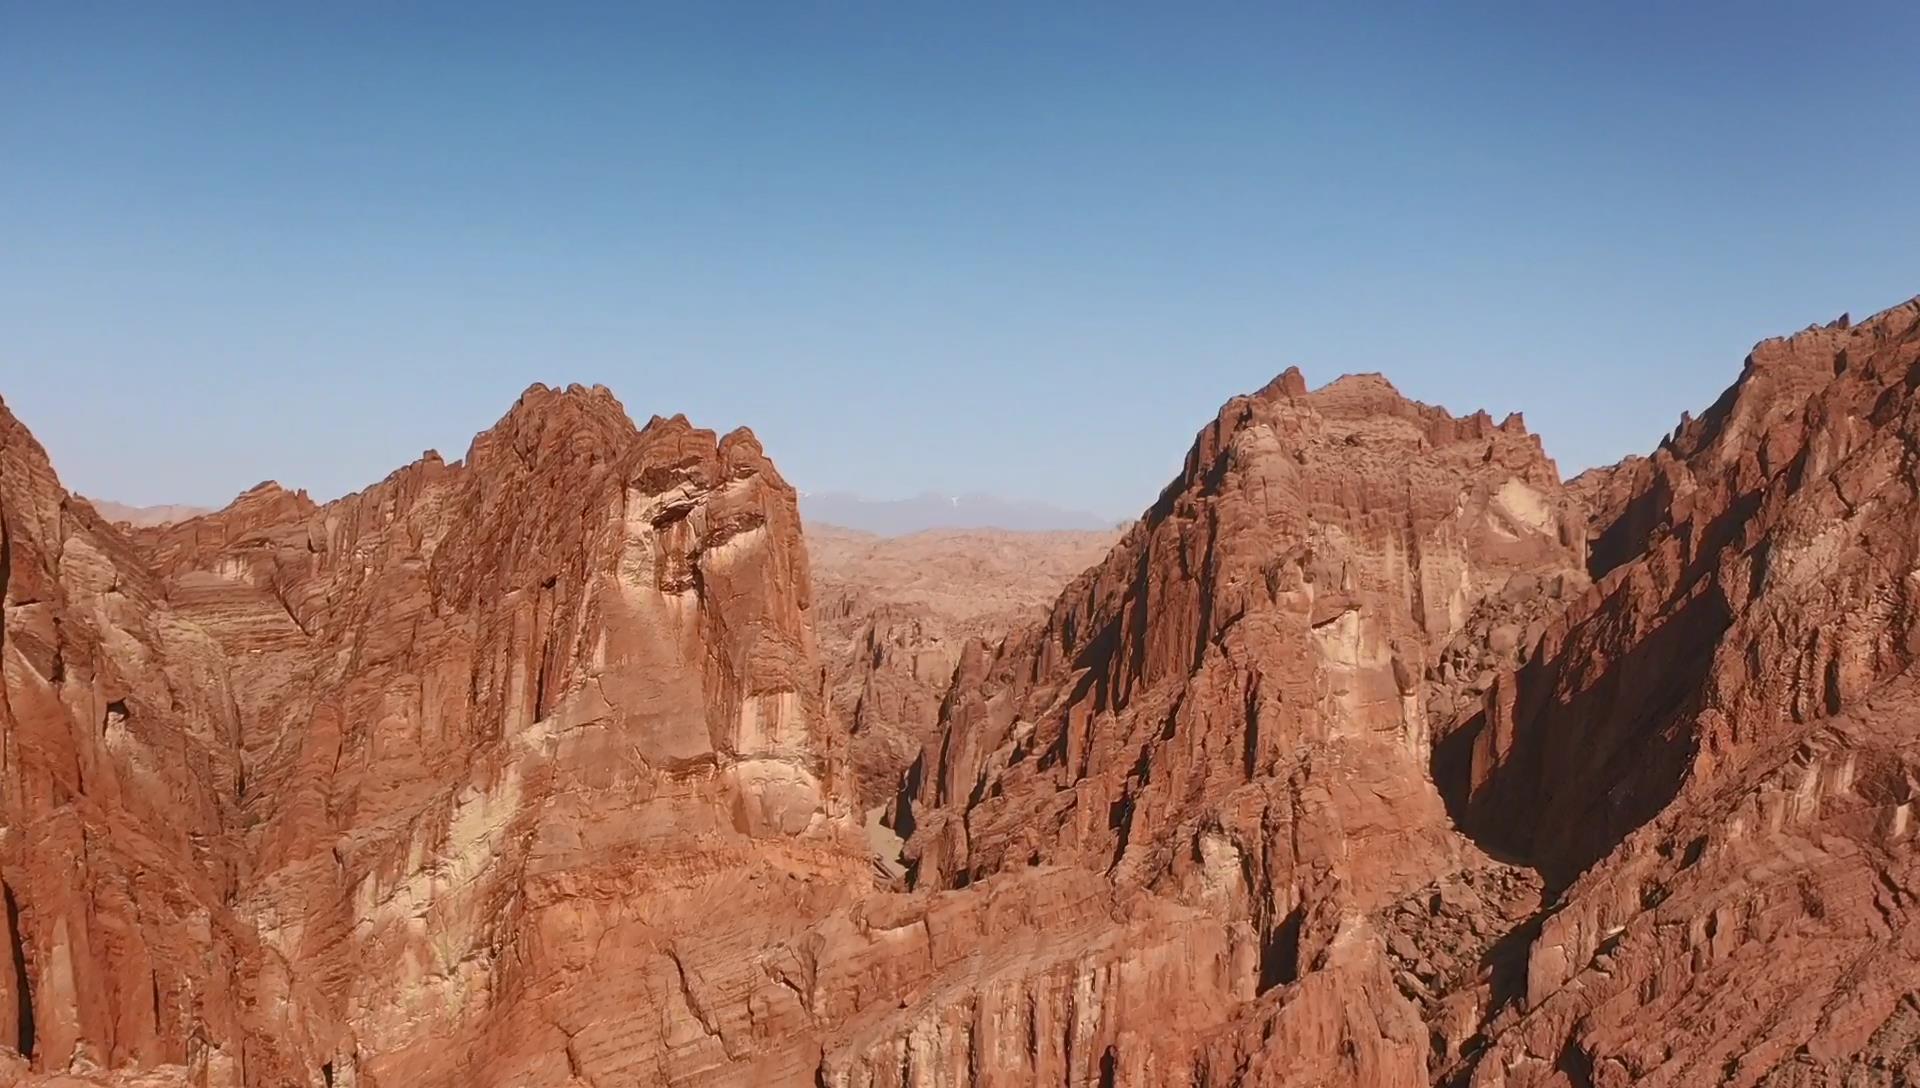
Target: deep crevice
pixel 22 983
pixel 1576 1065
pixel 1280 953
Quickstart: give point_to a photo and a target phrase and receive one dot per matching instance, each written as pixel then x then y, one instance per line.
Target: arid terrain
pixel 1374 753
pixel 146 517
pixel 894 614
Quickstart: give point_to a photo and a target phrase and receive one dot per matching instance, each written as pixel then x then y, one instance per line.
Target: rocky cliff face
pixel 530 779
pixel 1713 753
pixel 511 718
pixel 1233 710
pixel 120 791
pixel 468 735
pixel 1371 755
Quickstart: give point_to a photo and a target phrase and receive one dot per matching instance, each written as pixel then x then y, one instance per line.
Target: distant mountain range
pixel 147 515
pixel 930 510
pixel 887 517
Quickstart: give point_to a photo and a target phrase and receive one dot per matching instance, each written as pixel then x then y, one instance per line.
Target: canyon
pixel 1372 753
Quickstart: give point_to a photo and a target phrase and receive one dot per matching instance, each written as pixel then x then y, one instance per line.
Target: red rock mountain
pixel 1713 755
pixel 1371 755
pixel 1231 712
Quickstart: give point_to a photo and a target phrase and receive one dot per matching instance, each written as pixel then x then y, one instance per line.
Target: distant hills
pixel 886 517
pixel 930 510
pixel 146 515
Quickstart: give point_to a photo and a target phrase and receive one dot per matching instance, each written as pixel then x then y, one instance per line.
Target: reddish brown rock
pixel 1230 710
pixel 520 713
pixel 534 783
pixel 119 791
pixel 1714 749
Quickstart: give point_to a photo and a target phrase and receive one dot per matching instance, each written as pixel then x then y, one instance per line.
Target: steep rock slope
pixel 514 725
pixel 1714 752
pixel 531 781
pixel 1233 710
pixel 119 795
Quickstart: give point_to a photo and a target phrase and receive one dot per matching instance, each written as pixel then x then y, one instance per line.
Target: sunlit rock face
pixel 119 794
pixel 1712 755
pixel 521 709
pixel 400 763
pixel 1233 710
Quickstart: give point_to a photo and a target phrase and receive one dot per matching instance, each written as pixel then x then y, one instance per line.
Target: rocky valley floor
pixel 1372 753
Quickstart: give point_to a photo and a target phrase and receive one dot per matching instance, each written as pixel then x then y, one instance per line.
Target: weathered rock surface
pixel 1230 710
pixel 1712 755
pixel 1371 755
pixel 512 717
pixel 529 778
pixel 119 792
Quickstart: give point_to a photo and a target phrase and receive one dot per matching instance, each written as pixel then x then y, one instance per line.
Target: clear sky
pixel 1023 249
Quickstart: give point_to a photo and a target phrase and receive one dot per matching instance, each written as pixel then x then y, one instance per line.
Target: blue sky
pixel 1020 249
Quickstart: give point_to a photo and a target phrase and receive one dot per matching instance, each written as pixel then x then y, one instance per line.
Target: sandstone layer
pixel 524 774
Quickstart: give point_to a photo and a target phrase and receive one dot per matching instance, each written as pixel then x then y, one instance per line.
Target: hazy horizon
pixel 1016 252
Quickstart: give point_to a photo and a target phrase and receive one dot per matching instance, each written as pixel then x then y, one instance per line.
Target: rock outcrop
pixel 1711 756
pixel 1232 710
pixel 509 719
pixel 120 793
pixel 530 778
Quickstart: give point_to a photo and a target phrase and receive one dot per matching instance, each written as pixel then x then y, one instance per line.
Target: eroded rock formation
pixel 1713 754
pixel 1232 710
pixel 120 790
pixel 1371 755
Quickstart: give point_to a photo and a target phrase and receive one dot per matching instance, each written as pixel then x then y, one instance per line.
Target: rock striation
pixel 1231 711
pixel 119 791
pixel 1711 756
pixel 531 779
pixel 1372 754
pixel 509 718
